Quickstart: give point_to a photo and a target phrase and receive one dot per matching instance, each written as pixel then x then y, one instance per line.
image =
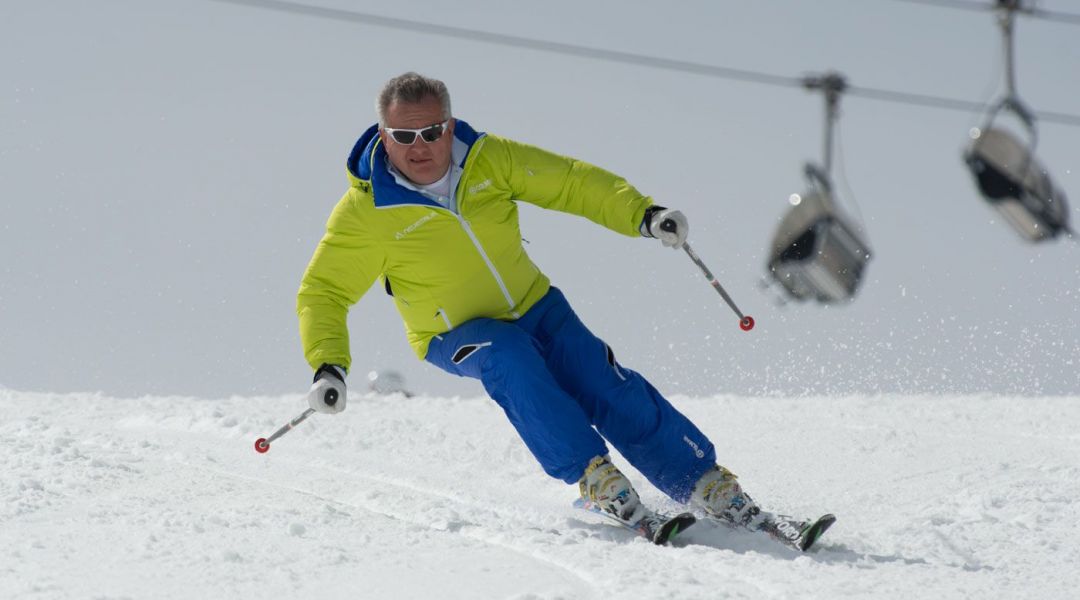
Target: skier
pixel 431 210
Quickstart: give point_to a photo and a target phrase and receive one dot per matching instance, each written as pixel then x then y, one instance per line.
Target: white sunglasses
pixel 407 137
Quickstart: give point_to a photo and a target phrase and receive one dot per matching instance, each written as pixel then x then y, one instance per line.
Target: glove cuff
pixel 335 371
pixel 647 220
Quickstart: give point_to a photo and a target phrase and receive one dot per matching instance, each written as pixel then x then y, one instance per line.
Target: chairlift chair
pixel 1006 171
pixel 818 252
pixel 1013 181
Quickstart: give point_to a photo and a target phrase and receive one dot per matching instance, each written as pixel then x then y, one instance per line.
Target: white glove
pixel 327 394
pixel 667 225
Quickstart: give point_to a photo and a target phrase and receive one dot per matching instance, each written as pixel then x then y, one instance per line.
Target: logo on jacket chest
pixel 483 185
pixel 417 225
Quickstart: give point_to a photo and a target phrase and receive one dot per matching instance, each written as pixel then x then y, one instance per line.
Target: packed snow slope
pixel 937 497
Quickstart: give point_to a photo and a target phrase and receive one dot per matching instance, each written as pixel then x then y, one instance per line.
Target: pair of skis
pixel 661 529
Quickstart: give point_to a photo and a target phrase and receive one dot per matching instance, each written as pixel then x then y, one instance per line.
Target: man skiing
pixel 431 210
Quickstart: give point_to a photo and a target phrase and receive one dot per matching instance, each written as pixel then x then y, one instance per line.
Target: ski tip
pixel 815 531
pixel 673 527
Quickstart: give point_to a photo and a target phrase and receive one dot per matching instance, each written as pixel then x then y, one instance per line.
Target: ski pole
pixel 746 322
pixel 263 444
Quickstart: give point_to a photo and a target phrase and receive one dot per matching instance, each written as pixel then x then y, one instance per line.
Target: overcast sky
pixel 166 169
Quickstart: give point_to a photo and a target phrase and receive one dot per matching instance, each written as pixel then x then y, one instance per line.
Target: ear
pixel 382 136
pixel 450 127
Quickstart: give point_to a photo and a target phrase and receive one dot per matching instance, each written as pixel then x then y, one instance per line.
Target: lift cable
pixel 745 75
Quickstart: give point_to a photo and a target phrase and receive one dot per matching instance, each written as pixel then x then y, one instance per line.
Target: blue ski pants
pixel 562 389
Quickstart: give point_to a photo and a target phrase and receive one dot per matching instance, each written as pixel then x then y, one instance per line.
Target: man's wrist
pixel 645 221
pixel 336 371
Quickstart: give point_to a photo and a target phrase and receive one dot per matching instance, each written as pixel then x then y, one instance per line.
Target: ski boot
pixel 719 494
pixel 605 490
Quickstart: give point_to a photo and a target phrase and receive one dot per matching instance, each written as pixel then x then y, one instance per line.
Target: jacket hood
pixel 368 162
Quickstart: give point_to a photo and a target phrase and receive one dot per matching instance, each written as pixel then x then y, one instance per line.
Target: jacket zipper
pixel 446 319
pixel 476 242
pixel 487 260
pixel 483 254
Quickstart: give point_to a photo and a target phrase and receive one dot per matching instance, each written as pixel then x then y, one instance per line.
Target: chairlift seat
pixel 1013 181
pixel 817 252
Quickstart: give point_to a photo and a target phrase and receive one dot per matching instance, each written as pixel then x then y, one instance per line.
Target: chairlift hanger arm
pixel 833 84
pixel 816 176
pixel 1011 100
pixel 1005 19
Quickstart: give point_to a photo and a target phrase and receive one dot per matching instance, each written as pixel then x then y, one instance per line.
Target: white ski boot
pixel 605 490
pixel 606 487
pixel 722 498
pixel 719 494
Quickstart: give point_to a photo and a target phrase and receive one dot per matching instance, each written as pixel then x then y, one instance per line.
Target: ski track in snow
pixel 945 497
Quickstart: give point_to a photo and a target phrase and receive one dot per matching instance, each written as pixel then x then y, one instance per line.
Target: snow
pixel 164 497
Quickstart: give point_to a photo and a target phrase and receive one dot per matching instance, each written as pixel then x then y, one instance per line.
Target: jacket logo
pixel 411 228
pixel 480 186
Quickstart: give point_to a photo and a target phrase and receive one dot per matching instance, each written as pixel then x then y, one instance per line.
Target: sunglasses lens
pixel 433 133
pixel 404 137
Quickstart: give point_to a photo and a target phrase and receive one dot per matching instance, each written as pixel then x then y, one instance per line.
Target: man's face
pixel 421 162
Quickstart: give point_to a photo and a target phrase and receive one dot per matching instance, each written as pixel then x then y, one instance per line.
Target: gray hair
pixel 411 88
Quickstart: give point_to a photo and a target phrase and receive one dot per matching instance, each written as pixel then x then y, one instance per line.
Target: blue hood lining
pixel 386 190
